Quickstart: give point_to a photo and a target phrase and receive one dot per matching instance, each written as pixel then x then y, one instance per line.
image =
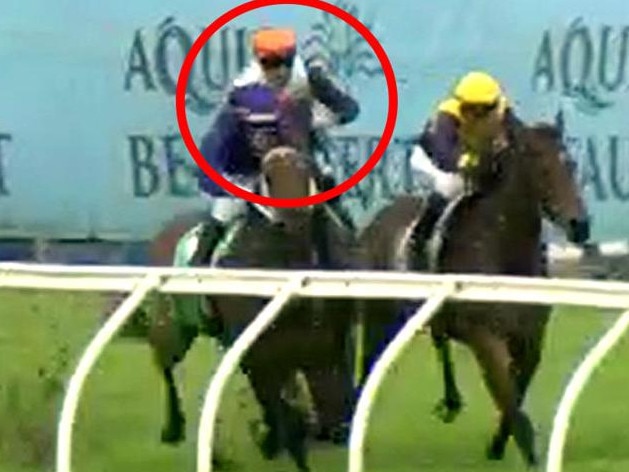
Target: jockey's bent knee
pixel 448 184
pixel 227 209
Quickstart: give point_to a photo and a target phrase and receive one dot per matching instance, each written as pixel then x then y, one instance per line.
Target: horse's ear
pixel 545 137
pixel 546 130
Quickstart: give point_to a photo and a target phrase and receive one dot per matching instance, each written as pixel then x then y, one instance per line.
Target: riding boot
pixel 435 205
pixel 211 233
pixel 320 235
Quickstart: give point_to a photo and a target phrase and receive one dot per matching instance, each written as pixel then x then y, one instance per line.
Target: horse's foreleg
pixel 451 404
pixel 494 358
pixel 332 393
pixel 296 422
pixel 287 424
pixel 174 431
pixel 267 390
pixel 526 353
pixel 170 342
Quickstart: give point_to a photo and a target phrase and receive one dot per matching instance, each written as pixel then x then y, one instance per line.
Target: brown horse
pixel 494 229
pixel 309 336
pixel 382 244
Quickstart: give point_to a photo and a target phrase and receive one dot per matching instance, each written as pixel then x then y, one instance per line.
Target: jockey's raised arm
pixel 341 104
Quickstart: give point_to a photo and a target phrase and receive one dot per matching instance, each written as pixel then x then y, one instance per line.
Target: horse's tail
pixel 137 325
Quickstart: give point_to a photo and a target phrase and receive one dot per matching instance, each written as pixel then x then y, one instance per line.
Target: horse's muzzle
pixel 579 230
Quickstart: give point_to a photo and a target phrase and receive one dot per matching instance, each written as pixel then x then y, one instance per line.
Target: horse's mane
pixel 546 130
pixel 542 133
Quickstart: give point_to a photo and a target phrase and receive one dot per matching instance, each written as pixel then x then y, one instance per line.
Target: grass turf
pixel 120 414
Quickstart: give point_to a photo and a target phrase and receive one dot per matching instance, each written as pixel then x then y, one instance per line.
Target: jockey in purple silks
pixel 250 124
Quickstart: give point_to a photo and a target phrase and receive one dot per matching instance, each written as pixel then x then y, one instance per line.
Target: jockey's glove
pixel 326 91
pixel 468 161
pixel 320 84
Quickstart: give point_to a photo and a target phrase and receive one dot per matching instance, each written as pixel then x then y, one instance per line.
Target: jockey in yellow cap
pixel 466 124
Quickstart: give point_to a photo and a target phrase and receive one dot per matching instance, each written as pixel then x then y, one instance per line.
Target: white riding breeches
pixel 447 184
pixel 227 208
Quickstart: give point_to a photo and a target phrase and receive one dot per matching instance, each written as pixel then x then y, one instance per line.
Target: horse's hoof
pixel 221 463
pixel 532 462
pixel 495 452
pixel 175 433
pixel 170 436
pixel 340 434
pixel 323 435
pixel 447 411
pixel 337 435
pixel 214 327
pixel 269 447
pixel 267 443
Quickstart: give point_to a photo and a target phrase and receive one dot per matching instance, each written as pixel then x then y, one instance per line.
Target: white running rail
pixel 228 366
pixel 577 383
pixel 86 363
pixel 382 367
pixel 280 286
pixel 317 284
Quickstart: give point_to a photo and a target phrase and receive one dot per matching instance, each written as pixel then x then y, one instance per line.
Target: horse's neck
pixel 264 243
pixel 501 226
pixel 518 200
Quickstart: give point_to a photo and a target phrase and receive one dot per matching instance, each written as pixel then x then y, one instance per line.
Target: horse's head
pixel 287 174
pixel 538 167
pixel 559 192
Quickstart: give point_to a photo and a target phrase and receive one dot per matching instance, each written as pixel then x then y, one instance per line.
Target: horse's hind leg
pixel 170 343
pixel 494 358
pixel 174 431
pixel 296 433
pixel 332 393
pixel 267 390
pixel 451 404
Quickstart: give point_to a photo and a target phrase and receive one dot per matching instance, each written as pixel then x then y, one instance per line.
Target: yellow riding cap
pixel 478 88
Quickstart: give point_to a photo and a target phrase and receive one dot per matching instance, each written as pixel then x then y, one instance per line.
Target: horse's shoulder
pixel 450 221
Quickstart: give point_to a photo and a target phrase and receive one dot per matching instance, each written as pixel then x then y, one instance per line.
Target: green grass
pixel 121 411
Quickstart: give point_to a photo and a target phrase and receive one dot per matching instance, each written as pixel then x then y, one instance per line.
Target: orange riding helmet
pixel 274 43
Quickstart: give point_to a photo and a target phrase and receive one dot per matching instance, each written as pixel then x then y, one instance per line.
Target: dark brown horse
pixel 383 246
pixel 309 336
pixel 494 229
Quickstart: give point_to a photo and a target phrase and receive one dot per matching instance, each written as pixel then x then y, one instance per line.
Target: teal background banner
pixel 89 144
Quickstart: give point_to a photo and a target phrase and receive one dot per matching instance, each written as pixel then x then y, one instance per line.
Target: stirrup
pixel 421 235
pixel 418 256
